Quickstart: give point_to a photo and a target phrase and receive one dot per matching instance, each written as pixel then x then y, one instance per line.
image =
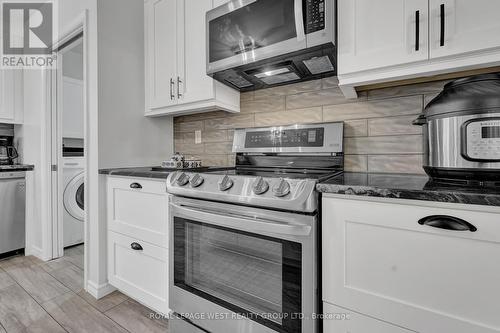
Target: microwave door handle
pixel 299 20
pixel 234 221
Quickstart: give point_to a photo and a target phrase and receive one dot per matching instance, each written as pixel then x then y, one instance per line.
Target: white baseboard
pixel 99 291
pixel 35 252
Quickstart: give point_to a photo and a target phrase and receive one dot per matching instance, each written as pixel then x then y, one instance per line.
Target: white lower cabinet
pixel 380 259
pixel 139 207
pixel 339 320
pixel 141 274
pixel 138 239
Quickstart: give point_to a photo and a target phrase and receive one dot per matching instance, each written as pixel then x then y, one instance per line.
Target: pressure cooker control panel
pixel 482 140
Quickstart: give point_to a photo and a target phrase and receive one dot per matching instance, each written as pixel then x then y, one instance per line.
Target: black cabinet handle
pixel 417 30
pixel 447 222
pixel 136 246
pixel 442 10
pixel 136 186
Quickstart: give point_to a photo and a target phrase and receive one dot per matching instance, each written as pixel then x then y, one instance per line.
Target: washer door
pixel 74 197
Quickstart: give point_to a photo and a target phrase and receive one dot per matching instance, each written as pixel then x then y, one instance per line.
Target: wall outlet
pixel 197 137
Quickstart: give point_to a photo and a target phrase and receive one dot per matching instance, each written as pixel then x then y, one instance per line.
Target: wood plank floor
pixel 41 297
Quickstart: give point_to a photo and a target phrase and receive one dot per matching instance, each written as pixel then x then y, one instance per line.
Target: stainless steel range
pixel 244 240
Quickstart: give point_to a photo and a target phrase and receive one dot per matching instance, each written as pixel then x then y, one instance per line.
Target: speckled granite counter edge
pixel 423 195
pixel 134 172
pixel 13 168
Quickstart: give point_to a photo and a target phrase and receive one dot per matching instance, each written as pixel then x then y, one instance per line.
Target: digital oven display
pixel 490 132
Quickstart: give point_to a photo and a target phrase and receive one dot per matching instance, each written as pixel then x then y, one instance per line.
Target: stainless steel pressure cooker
pixel 462 130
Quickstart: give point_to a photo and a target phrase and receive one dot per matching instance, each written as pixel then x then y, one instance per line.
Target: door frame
pixel 55 247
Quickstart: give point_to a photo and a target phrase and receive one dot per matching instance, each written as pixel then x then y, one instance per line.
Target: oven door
pixel 245 31
pixel 239 269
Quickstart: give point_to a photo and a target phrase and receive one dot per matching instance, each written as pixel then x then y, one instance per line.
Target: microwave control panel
pixel 315 15
pixel 483 140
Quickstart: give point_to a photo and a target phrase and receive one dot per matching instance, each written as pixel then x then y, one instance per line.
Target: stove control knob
pixel 260 186
pixel 282 189
pixel 182 180
pixel 196 181
pixel 226 183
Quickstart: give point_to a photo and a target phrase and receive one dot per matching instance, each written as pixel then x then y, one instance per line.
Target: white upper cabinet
pixel 374 34
pixel 392 40
pixel 161 52
pixel 468 26
pixel 11 96
pixel 176 79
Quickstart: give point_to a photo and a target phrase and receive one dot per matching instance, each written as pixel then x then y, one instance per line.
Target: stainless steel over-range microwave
pixel 254 44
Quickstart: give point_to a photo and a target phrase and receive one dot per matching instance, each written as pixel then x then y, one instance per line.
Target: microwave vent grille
pixel 319 65
pixel 239 81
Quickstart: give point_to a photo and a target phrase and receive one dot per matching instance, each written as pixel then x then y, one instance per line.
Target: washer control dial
pixel 196 181
pixel 282 188
pixel 260 186
pixel 182 180
pixel 226 183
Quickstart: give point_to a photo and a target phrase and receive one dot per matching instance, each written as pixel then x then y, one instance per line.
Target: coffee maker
pixel 8 152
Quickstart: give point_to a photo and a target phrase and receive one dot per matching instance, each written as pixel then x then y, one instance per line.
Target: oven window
pixel 259 24
pixel 252 275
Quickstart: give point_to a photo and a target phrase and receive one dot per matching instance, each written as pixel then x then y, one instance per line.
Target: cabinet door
pixel 468 26
pixel 161 52
pixel 194 84
pixel 339 320
pixel 374 34
pixel 11 98
pixel 139 208
pixel 141 272
pixel 380 261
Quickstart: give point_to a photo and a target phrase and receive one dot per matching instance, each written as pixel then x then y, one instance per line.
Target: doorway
pixel 68 153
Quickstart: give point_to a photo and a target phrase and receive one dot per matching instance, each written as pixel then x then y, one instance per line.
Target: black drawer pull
pixel 136 246
pixel 136 186
pixel 447 222
pixel 417 30
pixel 443 26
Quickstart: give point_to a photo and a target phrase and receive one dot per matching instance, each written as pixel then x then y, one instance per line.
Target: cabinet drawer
pixel 141 274
pixel 339 320
pixel 139 208
pixel 378 260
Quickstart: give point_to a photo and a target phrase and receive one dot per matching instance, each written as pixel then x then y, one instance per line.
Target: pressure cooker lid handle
pixel 420 121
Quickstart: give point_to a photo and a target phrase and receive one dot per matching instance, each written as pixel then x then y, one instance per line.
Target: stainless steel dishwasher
pixel 12 211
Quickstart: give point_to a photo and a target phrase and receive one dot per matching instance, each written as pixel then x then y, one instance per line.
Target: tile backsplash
pixel 379 136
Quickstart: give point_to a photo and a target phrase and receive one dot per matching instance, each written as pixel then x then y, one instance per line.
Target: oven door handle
pixel 299 20
pixel 234 221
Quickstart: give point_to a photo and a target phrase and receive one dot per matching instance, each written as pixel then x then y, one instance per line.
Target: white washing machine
pixel 73 199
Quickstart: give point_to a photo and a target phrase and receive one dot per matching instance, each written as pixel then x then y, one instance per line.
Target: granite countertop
pixel 16 167
pixel 141 172
pixel 412 187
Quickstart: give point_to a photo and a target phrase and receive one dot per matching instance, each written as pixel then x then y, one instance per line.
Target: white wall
pixel 73 64
pixel 126 137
